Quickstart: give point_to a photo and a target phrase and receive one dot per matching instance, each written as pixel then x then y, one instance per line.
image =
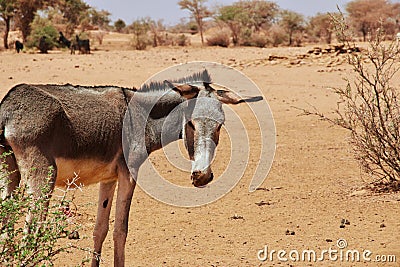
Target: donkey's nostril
pixel 196 174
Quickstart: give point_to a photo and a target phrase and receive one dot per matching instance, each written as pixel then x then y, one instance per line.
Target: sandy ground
pixel 314 182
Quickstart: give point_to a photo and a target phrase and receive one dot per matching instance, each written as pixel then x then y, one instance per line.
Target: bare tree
pixel 156 27
pixel 369 107
pixel 199 12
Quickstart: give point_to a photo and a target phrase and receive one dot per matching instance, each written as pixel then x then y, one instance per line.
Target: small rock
pixel 263 203
pixel 359 193
pixel 345 221
pixel 237 217
pixel 74 235
pixel 328 240
pixel 382 225
pixel 262 188
pixel 288 232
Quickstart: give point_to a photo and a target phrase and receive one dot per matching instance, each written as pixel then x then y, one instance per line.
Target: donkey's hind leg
pixel 38 173
pixel 9 173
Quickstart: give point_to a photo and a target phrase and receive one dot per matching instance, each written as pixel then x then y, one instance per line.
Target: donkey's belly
pixel 87 171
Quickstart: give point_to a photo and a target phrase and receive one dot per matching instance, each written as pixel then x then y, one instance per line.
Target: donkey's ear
pixel 228 97
pixel 185 90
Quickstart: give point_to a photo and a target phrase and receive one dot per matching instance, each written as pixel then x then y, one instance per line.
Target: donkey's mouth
pixel 199 181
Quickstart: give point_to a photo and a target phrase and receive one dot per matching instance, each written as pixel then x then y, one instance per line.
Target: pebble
pixel 288 232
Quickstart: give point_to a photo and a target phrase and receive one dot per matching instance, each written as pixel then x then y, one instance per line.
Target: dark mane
pixel 198 77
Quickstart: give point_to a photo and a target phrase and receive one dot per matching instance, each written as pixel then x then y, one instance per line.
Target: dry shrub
pixel 219 38
pixel 171 39
pixel 182 40
pixel 140 42
pixel 99 36
pixel 258 39
pixel 276 35
pixel 369 108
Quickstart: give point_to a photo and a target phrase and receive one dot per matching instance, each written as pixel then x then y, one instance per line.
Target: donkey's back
pixel 72 128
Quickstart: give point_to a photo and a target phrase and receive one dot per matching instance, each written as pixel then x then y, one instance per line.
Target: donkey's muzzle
pixel 200 179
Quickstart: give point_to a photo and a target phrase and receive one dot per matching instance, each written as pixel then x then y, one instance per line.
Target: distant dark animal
pixel 43 45
pixel 83 46
pixel 63 41
pixel 80 129
pixel 74 47
pixel 18 46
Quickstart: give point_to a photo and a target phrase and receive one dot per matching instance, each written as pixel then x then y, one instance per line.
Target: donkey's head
pixel 202 124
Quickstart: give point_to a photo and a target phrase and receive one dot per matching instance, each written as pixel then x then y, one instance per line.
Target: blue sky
pixel 129 10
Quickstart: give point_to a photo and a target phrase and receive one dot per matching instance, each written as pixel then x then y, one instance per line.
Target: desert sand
pixel 313 184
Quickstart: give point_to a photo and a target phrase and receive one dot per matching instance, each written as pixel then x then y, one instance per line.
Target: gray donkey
pixel 80 129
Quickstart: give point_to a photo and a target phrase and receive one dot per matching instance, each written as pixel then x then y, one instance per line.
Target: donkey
pixel 79 129
pixel 82 45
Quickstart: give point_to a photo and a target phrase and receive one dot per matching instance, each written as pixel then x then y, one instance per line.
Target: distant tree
pixel 74 13
pixel 247 17
pixel 291 22
pixel 7 10
pixel 321 27
pixel 140 28
pixel 119 25
pixel 259 13
pixel 233 16
pixel 100 18
pixel 199 12
pixel 25 11
pixel 366 16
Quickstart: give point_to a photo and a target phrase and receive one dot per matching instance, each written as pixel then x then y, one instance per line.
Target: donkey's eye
pixel 191 125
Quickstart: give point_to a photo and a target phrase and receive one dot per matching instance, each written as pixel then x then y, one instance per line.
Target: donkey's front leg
pixel 126 186
pixel 106 194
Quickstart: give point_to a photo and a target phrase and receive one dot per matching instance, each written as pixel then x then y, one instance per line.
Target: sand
pixel 313 184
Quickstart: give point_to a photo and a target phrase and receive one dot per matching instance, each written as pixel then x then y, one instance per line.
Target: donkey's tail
pixel 2 127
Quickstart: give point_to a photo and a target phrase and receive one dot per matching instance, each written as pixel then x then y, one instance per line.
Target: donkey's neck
pixel 166 111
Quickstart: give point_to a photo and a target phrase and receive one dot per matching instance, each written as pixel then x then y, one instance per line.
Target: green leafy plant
pixel 42 29
pixel 35 242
